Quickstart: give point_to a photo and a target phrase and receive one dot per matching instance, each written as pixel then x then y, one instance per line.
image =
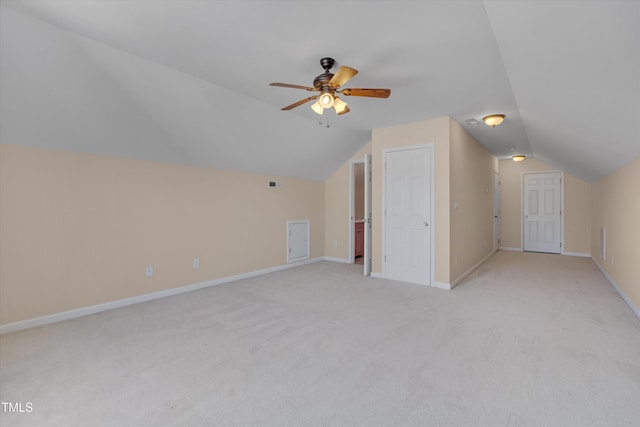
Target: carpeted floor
pixel 526 340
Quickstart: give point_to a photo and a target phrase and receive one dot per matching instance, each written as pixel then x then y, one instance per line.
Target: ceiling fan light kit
pixel 329 85
pixel 493 120
pixel 518 158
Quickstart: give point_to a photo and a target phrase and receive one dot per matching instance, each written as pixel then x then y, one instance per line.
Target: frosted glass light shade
pixel 317 107
pixel 326 100
pixel 339 105
pixel 493 120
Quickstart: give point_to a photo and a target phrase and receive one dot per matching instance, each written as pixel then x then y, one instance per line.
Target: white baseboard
pixel 580 254
pixel 377 275
pixel 441 285
pixel 84 311
pixel 334 259
pixel 504 248
pixel 471 270
pixel 624 296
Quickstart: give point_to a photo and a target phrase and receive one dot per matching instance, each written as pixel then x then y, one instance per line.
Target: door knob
pixel 426 224
pixel 526 216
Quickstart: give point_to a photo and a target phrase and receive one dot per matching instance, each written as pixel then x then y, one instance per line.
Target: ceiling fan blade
pixel 371 93
pixel 299 103
pixel 293 86
pixel 343 75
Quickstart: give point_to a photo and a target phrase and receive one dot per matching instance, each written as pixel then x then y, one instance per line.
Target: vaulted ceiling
pixel 187 81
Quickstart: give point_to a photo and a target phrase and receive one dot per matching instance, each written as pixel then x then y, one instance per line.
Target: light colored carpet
pixel 527 340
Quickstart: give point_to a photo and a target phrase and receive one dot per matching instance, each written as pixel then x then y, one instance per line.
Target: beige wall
pixel 577 202
pixel 425 132
pixel 615 205
pixel 78 230
pixel 471 190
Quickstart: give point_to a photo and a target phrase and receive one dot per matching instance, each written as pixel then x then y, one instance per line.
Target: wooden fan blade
pixel 371 93
pixel 299 103
pixel 293 86
pixel 343 75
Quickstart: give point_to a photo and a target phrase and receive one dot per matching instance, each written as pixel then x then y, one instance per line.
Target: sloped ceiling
pixel 187 81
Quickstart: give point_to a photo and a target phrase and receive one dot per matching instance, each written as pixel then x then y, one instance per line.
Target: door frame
pixel 432 225
pixel 562 249
pixel 352 208
pixel 366 267
pixel 497 198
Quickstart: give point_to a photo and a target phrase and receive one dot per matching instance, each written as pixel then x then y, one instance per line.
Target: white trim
pixel 441 285
pixel 340 260
pixel 308 238
pixel 505 248
pixel 497 230
pixel 580 254
pixel 377 275
pixel 432 222
pixel 624 296
pixel 93 309
pixel 471 270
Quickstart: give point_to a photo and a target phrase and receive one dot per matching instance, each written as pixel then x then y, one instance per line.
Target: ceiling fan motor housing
pixel 322 81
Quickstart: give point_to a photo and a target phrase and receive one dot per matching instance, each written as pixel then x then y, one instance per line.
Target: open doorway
pixel 358 213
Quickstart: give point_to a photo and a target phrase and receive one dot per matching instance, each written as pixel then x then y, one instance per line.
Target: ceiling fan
pixel 329 84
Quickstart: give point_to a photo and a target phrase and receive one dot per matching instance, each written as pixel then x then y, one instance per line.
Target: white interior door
pixel 542 212
pixel 407 209
pixel 367 214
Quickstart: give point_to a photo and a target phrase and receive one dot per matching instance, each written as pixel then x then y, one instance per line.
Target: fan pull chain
pixel 326 124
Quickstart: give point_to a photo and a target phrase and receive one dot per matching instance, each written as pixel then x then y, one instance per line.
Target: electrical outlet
pixel 149 271
pixel 611 260
pixel 196 263
pixel 335 243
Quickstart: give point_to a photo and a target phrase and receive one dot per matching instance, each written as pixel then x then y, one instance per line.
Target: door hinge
pixel 289 250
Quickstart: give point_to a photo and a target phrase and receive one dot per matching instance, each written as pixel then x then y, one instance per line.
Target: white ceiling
pixel 187 81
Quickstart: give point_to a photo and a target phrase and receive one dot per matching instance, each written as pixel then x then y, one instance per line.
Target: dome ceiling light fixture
pixel 493 120
pixel 518 157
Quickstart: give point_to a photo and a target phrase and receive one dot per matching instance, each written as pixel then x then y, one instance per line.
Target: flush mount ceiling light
pixel 518 158
pixel 493 120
